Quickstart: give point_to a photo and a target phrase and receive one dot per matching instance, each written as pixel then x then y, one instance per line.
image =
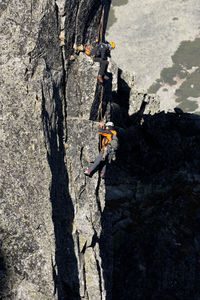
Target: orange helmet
pixel 112 45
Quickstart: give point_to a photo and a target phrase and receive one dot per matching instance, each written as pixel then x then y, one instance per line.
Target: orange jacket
pixel 107 136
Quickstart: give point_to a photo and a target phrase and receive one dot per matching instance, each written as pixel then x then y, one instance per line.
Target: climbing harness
pixel 109 145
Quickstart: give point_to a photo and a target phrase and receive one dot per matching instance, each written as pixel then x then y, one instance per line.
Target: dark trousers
pixel 98 161
pixel 103 65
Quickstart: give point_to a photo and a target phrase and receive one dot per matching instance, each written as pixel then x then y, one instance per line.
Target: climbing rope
pixel 100 40
pixel 100 115
pixel 101 104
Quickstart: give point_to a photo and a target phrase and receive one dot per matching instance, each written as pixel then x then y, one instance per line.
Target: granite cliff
pixel 64 236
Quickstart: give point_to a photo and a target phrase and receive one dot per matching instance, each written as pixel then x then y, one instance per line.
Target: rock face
pixel 38 259
pixel 66 236
pixel 159 42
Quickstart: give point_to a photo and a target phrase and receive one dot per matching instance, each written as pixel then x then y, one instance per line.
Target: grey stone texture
pixel 67 236
pixel 157 41
pixel 27 234
pixel 37 247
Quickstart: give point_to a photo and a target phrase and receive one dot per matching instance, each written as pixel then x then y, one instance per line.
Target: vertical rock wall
pixel 55 234
pixel 63 233
pixel 27 233
pixel 38 259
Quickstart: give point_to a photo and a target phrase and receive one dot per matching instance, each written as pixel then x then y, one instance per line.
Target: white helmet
pixel 110 124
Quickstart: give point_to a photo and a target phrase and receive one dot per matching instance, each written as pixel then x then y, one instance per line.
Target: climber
pixel 109 145
pixel 100 54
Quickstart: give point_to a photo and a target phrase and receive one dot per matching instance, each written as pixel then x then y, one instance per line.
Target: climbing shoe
pixel 100 79
pixel 87 172
pixel 105 77
pixel 102 175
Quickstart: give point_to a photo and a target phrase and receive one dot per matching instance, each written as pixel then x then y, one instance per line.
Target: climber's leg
pixel 94 166
pixel 103 170
pixel 103 67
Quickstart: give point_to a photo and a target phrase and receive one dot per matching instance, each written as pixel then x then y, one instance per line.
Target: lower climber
pixel 109 145
pixel 100 54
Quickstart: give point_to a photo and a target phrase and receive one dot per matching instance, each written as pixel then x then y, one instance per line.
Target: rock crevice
pixel 67 236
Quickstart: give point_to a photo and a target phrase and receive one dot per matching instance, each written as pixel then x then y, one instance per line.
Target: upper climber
pixel 109 144
pixel 100 54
